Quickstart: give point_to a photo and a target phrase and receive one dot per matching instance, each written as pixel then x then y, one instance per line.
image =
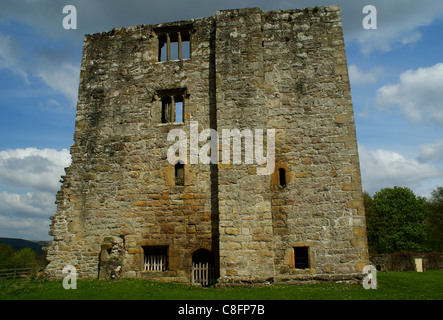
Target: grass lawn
pixel 391 286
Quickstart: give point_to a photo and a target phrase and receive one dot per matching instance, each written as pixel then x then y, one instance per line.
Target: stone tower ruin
pixel 124 210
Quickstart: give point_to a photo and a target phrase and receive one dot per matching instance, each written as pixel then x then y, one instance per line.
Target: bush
pixel 434 260
pixel 24 258
pixel 403 261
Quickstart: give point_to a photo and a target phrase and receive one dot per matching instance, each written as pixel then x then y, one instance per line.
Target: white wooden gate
pixel 203 273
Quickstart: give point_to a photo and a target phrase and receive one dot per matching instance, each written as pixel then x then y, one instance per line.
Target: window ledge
pixel 176 60
pixel 175 124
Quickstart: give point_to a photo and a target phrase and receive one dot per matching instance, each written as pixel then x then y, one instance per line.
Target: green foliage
pixel 23 258
pixel 395 221
pixel 372 224
pixel 435 220
pixel 6 254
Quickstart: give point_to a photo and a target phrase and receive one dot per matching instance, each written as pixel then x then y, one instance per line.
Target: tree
pixel 25 258
pixel 6 255
pixel 372 224
pixel 396 221
pixel 435 220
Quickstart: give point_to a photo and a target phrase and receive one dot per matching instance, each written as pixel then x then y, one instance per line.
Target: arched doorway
pixel 203 268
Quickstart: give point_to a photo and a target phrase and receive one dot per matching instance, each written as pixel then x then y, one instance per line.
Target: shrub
pixel 403 261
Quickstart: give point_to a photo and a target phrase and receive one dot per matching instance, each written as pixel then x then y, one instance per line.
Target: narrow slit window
pixel 166 109
pixel 301 257
pixel 162 48
pixel 179 174
pixel 282 177
pixel 186 46
pixel 155 258
pixel 174 50
pixel 178 109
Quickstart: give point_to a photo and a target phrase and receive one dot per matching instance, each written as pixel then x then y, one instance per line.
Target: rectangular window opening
pixel 174 44
pixel 173 105
pixel 174 50
pixel 166 109
pixel 155 258
pixel 301 257
pixel 179 174
pixel 178 109
pixel 186 50
pixel 186 46
pixel 282 177
pixel 162 48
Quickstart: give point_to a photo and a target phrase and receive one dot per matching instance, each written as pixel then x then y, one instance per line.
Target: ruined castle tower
pixel 125 210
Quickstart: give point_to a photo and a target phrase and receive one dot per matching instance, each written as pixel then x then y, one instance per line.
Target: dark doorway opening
pixel 203 268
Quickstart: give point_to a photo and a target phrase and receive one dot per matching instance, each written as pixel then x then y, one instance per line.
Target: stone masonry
pixel 124 208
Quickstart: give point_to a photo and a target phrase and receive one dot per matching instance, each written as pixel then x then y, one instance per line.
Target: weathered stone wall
pixel 309 104
pixel 246 242
pixel 249 69
pixel 120 183
pixel 405 261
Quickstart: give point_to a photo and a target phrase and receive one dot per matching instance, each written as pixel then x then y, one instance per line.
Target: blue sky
pixel 396 74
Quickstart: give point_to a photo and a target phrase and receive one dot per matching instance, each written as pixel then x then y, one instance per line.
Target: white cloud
pixel 411 37
pixel 62 78
pixel 37 172
pixel 418 94
pixel 26 215
pixel 358 77
pixel 35 169
pixel 384 168
pixel 398 22
pixel 28 204
pixel 60 74
pixel 30 228
pixel 10 56
pixel 431 151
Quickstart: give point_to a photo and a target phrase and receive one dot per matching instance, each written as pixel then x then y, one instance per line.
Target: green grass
pixel 391 285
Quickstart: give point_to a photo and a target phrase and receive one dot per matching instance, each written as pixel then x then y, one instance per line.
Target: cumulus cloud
pixel 358 77
pixel 30 228
pixel 35 169
pixel 11 56
pixel 26 215
pixel 418 94
pixel 62 78
pixel 384 168
pixel 30 204
pixel 398 22
pixel 35 172
pixel 431 151
pixel 59 72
